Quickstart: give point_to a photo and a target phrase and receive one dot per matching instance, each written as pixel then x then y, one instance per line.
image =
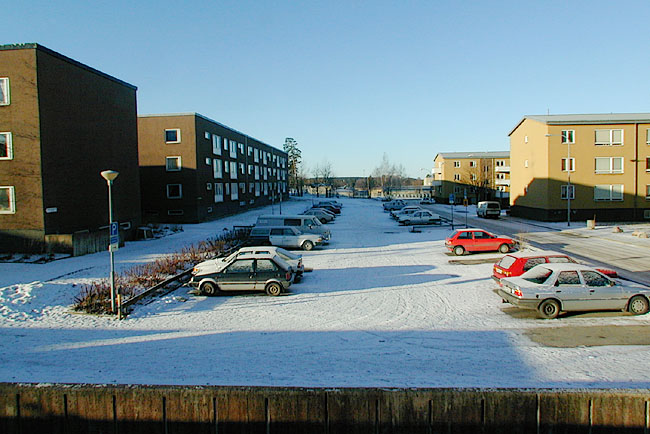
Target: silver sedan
pixel 555 288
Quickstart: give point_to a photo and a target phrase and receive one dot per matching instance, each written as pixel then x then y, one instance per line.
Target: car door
pixel 570 290
pixel 277 237
pixel 465 239
pixel 602 293
pixel 238 276
pixel 482 241
pixel 291 238
pixel 265 269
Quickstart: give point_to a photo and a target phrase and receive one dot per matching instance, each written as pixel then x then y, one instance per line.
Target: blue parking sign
pixel 114 229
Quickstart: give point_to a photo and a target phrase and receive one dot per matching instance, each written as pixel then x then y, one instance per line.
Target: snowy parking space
pixel 384 307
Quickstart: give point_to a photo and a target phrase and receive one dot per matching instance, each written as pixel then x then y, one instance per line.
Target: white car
pixel 420 217
pixel 214 265
pixel 289 236
pixel 404 211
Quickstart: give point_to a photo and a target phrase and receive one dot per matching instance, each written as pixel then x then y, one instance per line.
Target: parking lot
pixel 383 307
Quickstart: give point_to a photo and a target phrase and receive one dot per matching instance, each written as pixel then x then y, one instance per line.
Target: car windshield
pixel 493 205
pixel 537 274
pixel 285 254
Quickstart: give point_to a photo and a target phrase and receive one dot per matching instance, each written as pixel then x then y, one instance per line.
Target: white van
pixel 304 223
pixel 488 208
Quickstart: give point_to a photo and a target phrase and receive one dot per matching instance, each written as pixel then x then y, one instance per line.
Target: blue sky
pixel 352 80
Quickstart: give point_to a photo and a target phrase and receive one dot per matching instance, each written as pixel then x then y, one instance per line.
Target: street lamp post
pixel 109 176
pixel 568 176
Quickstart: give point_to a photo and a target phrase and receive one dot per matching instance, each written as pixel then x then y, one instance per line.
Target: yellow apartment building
pixel 475 175
pixel 580 167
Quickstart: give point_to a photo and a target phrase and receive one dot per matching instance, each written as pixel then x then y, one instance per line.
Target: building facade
pixel 61 124
pixel 579 167
pixel 195 169
pixel 475 175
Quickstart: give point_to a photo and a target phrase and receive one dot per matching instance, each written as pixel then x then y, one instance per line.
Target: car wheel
pixel 459 250
pixel 307 245
pixel 638 305
pixel 323 220
pixel 273 289
pixel 504 248
pixel 209 288
pixel 549 309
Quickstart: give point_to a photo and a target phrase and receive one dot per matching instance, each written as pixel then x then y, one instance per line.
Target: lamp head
pixel 109 175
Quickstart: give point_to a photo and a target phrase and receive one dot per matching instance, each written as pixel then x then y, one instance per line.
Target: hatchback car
pixel 515 264
pixel 321 214
pixel 554 288
pixel 258 272
pixel 478 240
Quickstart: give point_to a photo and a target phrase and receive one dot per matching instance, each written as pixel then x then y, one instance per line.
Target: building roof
pixel 34 46
pixel 164 115
pixel 587 119
pixel 465 155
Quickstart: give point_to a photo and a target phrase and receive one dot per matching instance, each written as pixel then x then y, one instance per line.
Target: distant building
pixel 195 169
pixel 475 175
pixel 581 166
pixel 61 124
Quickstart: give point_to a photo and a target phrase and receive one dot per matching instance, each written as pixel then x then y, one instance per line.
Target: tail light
pixel 288 275
pixel 517 292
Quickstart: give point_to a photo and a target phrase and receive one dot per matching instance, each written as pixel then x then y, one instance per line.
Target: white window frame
pixel 233 149
pixel 233 169
pixel 614 195
pixel 207 135
pixel 4 86
pixel 647 136
pixel 242 168
pixel 567 188
pixel 647 164
pixel 572 164
pixel 217 168
pixel 256 155
pixel 234 191
pixel 11 194
pixel 257 173
pixel 179 164
pixel 208 161
pixel 216 144
pixel 611 137
pixel 9 146
pixel 456 164
pixel 610 170
pixel 568 137
pixel 257 189
pixel 178 135
pixel 180 191
pixel 456 176
pixel 472 163
pixel 218 192
pixel 208 186
pixel 647 191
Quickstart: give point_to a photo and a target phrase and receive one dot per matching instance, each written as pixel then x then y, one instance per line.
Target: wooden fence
pixel 83 408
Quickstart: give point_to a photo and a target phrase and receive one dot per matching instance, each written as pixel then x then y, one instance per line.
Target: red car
pixel 515 264
pixel 478 240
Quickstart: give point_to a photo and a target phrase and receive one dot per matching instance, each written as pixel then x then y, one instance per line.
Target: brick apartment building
pixel 195 169
pixel 61 124
pixel 581 166
pixel 477 175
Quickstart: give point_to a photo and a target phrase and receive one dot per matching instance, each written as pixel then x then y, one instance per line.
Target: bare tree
pixel 389 175
pixel 479 178
pixel 323 175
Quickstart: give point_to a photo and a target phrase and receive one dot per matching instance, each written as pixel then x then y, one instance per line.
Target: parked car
pixel 213 265
pixel 394 204
pixel 427 201
pixel 419 217
pixel 284 236
pixel 404 211
pixel 304 223
pixel 330 202
pixel 321 214
pixel 515 264
pixel 478 240
pixel 334 210
pixel 258 272
pixel 554 288
pixel 488 209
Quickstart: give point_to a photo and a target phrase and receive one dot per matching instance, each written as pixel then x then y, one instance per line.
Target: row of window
pixel 173 136
pixel 605 192
pixel 473 163
pixel 175 191
pixel 602 137
pixel 174 164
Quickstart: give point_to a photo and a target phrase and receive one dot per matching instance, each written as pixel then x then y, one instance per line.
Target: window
pixel 216 144
pixel 174 191
pixel 175 212
pixel 218 192
pixel 608 192
pixel 233 170
pixel 609 164
pixel 456 163
pixel 257 189
pixel 647 164
pixel 568 136
pixel 173 136
pixel 570 162
pixel 208 186
pixel 472 164
pixel 6 148
pixel 456 176
pixel 234 193
pixel 609 137
pixel 250 151
pixel 227 189
pixel 257 172
pixel 500 163
pixel 647 136
pixel 256 155
pixel 473 176
pixel 173 164
pixel 4 91
pixel 233 149
pixel 571 189
pixel 208 161
pixel 647 191
pixel 242 168
pixel 216 168
pixel 592 278
pixel 7 200
pixel 241 147
pixel 242 187
pixel 225 143
pixel 568 278
pixel 207 135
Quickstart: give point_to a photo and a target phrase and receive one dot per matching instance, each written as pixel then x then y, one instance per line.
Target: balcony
pixel 437 171
pixel 502 182
pixel 502 169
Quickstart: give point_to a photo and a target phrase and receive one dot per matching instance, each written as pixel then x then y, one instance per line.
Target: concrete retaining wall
pixel 28 408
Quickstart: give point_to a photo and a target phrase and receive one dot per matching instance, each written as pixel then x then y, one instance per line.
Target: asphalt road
pixel 629 257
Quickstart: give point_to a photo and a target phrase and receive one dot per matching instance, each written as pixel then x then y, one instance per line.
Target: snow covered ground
pixel 382 308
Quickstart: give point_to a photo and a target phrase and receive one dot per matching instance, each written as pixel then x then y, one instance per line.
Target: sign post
pixel 452 198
